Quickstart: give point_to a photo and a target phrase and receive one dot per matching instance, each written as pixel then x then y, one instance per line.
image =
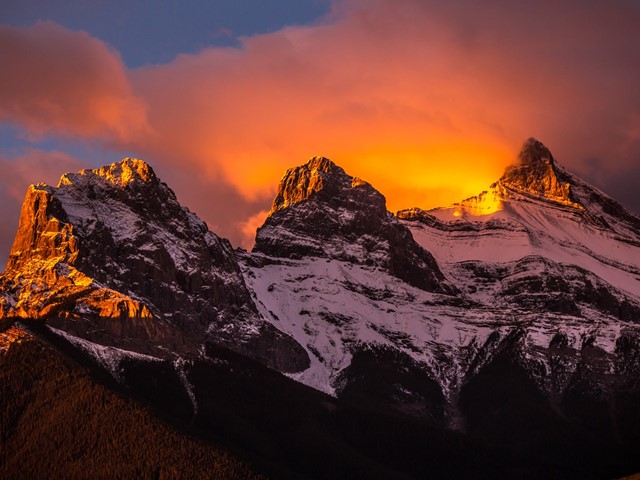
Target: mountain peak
pixel 122 174
pixel 534 152
pixel 117 259
pixel 322 164
pixel 320 177
pixel 536 173
pixel 321 211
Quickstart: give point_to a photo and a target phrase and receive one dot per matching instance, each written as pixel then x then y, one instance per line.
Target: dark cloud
pixel 619 183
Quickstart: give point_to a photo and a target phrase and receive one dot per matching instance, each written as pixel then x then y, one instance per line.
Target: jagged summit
pixel 320 179
pixel 536 173
pixel 321 211
pixel 323 164
pixel 535 211
pixel 111 256
pixel 128 171
pixel 534 177
pixel 534 152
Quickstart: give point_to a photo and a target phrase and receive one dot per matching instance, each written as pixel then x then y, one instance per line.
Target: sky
pixel 428 100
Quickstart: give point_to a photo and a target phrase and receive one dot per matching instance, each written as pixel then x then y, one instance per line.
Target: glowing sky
pixel 427 100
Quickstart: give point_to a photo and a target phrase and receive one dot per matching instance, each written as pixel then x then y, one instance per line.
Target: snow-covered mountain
pixel 110 256
pixel 546 265
pixel 320 211
pixel 517 307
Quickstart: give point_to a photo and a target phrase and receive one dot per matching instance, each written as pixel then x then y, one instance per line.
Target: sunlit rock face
pixel 536 173
pixel 322 180
pixel 111 254
pixel 322 211
pixel 13 336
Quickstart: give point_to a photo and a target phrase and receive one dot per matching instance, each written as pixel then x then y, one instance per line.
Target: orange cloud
pixel 250 226
pixel 356 89
pixel 17 173
pixel 426 100
pixel 59 81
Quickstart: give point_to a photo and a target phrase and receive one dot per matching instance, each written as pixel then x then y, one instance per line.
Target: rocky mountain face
pixel 536 173
pixel 548 272
pixel 513 315
pixel 109 255
pixel 320 211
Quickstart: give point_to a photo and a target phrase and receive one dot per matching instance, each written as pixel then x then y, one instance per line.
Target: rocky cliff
pixel 110 255
pixel 321 211
pixel 535 172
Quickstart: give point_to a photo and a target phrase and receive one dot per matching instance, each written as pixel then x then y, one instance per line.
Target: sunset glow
pixel 321 239
pixel 427 102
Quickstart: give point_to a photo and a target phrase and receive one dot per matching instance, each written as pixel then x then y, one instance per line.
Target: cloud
pixel 215 201
pixel 426 100
pixel 250 226
pixel 355 89
pixel 58 81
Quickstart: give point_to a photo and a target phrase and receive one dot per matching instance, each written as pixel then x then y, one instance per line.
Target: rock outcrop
pixel 535 173
pixel 110 255
pixel 321 211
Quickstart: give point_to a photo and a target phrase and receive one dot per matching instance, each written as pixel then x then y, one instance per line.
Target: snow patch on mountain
pixel 108 357
pixel 180 365
pixel 330 307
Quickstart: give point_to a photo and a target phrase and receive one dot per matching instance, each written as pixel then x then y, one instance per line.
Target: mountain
pixel 320 211
pixel 539 345
pixel 510 319
pixel 537 253
pixel 552 242
pixel 110 256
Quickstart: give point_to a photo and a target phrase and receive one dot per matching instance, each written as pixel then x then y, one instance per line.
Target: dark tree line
pixel 58 423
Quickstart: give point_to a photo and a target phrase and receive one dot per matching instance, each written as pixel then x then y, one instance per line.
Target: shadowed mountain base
pixel 57 422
